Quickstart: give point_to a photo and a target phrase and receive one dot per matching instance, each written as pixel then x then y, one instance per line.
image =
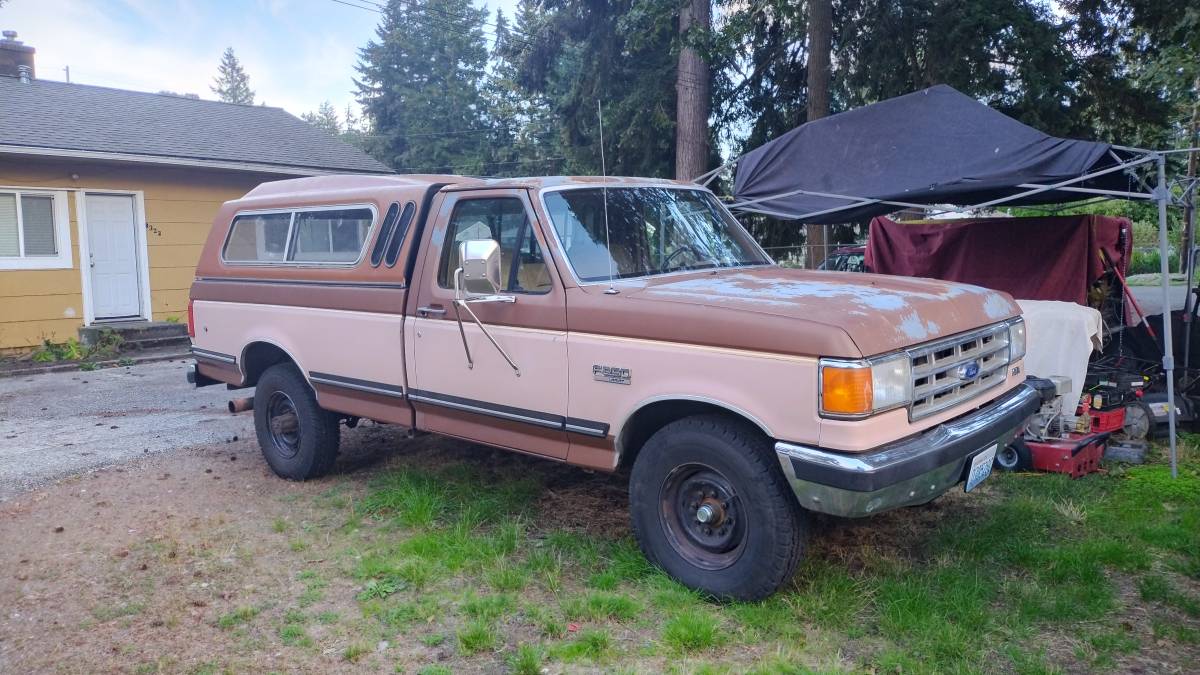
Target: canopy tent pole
pixel 1162 195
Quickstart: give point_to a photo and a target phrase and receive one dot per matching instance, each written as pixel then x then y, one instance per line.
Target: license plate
pixel 981 468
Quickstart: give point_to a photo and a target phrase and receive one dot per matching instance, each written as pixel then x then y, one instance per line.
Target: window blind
pixel 8 225
pixel 37 222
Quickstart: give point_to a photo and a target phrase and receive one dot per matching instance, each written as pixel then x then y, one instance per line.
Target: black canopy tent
pixel 939 146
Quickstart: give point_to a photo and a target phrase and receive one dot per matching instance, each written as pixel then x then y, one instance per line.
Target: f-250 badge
pixel 611 374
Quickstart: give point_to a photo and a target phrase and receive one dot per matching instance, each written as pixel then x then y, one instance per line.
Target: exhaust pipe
pixel 237 405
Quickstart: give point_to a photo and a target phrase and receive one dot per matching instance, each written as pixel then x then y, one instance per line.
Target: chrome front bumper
pixel 904 473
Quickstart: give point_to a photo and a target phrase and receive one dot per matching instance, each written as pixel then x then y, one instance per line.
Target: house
pixel 107 195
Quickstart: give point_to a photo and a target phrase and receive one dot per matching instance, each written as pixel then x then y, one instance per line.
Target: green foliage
pixel 527 660
pixel 237 617
pixel 232 84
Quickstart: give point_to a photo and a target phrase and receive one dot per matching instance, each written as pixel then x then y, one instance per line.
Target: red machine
pixel 1077 455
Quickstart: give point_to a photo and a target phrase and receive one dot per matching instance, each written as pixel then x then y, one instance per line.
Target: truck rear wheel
pixel 710 506
pixel 298 439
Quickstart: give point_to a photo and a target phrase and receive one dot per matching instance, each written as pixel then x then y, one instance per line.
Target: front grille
pixel 940 370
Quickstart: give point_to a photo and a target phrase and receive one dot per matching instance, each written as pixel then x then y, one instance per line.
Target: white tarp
pixel 1060 338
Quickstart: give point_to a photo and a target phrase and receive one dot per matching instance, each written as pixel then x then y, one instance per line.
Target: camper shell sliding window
pixel 323 235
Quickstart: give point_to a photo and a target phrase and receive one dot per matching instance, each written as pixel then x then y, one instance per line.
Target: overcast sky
pixel 298 53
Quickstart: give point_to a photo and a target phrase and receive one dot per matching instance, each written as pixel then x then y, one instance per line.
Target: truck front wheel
pixel 710 506
pixel 298 439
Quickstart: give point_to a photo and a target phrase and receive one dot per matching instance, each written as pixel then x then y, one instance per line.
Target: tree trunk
pixel 820 40
pixel 1189 213
pixel 691 95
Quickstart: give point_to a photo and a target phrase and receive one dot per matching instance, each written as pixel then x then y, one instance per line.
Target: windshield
pixel 651 230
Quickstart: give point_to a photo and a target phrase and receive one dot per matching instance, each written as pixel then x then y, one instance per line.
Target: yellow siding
pixel 180 204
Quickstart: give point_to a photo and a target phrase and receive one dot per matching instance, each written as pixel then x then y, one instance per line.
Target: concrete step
pixel 136 334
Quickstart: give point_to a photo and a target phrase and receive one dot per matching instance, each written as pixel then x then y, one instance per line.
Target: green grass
pixel 478 635
pixel 690 631
pixel 1006 577
pixel 237 617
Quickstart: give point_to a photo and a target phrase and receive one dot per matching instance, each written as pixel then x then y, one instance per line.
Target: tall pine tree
pixel 420 84
pixel 232 84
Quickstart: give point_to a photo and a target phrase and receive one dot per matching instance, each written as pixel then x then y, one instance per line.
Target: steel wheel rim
pixel 702 516
pixel 1139 427
pixel 1008 458
pixel 284 424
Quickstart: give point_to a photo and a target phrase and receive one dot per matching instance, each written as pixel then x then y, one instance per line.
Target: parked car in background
pixel 618 324
pixel 846 259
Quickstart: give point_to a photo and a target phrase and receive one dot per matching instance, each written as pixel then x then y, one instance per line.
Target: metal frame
pixel 1159 193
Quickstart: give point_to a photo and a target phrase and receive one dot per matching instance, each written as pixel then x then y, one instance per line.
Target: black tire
pixel 1016 456
pixel 757 528
pixel 301 451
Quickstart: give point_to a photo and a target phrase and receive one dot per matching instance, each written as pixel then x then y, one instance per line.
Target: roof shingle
pixel 49 114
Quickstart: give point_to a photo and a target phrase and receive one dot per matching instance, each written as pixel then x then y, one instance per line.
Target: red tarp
pixel 1048 258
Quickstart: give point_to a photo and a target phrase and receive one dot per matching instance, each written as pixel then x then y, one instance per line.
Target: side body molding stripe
pixel 541 419
pixel 213 356
pixel 357 384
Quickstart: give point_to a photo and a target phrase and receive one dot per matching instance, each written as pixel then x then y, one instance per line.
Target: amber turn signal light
pixel 846 390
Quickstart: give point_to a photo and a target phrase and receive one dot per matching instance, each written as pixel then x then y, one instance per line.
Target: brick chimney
pixel 16 57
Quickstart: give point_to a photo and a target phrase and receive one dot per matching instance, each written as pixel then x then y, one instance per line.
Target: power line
pixel 481 163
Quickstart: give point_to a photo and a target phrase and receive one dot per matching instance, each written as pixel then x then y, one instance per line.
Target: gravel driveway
pixel 58 424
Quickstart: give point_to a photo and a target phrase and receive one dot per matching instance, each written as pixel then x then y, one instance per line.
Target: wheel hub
pixel 701 513
pixel 284 424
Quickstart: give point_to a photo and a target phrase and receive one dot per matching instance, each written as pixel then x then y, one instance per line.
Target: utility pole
pixel 692 93
pixel 1189 211
pixel 820 44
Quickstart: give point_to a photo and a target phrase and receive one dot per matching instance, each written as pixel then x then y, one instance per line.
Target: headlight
pixel 857 388
pixel 1016 340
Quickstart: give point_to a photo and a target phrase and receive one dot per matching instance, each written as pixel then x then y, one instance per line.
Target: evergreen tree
pixel 325 118
pixel 623 54
pixel 232 84
pixel 420 85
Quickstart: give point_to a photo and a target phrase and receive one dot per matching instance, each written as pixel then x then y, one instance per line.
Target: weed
pixel 435 670
pixel 690 631
pixel 507 577
pixel 87 367
pixel 488 607
pixel 237 617
pixel 293 634
pixel 593 644
pixel 477 636
pixel 105 613
pixel 279 525
pixel 297 545
pixel 433 640
pixel 380 588
pixel 355 651
pixel 125 362
pixel 173 318
pixel 527 660
pixel 601 605
pixel 328 617
pixel 547 621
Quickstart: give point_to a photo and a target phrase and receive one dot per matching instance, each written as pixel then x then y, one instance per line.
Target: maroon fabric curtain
pixel 1050 258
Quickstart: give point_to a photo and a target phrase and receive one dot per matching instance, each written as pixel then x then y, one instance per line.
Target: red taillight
pixel 191 319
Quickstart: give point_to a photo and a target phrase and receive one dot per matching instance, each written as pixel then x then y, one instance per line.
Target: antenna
pixel 604 193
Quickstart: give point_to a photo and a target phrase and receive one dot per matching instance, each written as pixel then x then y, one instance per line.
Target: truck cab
pixel 618 324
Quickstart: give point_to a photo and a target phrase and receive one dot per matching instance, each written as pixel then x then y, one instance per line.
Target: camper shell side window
pixel 334 236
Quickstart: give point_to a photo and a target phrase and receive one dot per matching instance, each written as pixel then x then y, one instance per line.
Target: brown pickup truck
pixel 619 324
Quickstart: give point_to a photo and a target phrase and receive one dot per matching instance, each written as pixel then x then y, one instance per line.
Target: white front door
pixel 113 256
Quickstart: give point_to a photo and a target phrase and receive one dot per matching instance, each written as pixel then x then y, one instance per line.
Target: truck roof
pixel 340 187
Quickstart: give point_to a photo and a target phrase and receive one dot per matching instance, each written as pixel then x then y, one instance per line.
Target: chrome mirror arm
pixel 461 301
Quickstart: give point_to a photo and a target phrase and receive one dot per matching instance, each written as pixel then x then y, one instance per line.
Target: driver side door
pixel 488 401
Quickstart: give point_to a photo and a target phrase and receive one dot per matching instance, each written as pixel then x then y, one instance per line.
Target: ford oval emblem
pixel 968 371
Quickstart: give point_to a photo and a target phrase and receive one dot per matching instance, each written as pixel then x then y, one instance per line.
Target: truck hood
pixel 879 313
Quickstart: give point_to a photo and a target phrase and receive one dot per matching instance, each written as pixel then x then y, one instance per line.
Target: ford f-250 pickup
pixel 618 324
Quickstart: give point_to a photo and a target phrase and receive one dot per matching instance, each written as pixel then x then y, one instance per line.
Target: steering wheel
pixel 666 263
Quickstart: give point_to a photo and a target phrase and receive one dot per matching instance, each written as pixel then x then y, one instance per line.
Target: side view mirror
pixel 480 271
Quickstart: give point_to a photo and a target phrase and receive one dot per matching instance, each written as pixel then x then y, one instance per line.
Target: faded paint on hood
pixel 880 313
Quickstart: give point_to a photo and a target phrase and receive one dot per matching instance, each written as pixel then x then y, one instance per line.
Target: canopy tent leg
pixel 1162 195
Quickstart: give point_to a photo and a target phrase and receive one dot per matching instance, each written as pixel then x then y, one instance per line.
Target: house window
pixel 34 230
pixel 333 236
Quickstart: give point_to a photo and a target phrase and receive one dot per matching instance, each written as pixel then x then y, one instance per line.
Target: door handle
pixel 432 310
